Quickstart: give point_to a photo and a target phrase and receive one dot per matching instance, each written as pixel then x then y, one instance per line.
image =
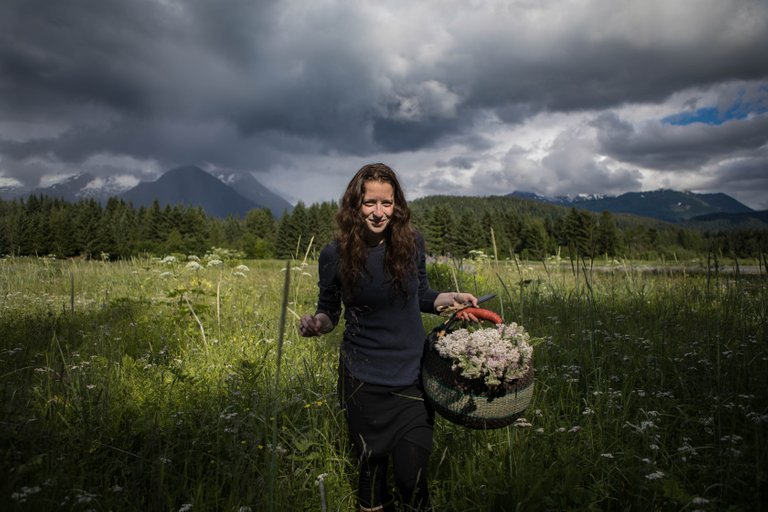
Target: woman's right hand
pixel 314 325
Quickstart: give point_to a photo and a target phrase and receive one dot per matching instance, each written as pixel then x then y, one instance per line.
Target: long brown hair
pixel 401 249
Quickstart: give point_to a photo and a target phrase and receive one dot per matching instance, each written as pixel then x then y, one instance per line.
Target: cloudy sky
pixel 472 97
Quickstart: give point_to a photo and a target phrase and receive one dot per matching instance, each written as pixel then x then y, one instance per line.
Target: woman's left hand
pixel 449 300
pixel 464 299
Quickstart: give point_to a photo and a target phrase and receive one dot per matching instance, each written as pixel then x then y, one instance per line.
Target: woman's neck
pixel 374 239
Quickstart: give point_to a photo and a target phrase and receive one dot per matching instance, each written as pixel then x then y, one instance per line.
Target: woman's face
pixel 377 207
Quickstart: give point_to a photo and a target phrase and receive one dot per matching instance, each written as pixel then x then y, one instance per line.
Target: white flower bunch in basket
pixel 498 355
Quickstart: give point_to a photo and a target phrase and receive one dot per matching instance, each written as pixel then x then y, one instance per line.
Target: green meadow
pixel 169 385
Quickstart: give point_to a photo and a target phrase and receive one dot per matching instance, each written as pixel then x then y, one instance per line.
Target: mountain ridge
pixel 227 193
pixel 221 195
pixel 191 186
pixel 662 204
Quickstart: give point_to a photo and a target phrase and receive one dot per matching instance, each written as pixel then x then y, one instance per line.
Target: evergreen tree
pixel 259 233
pixel 465 235
pixel 292 233
pixel 63 230
pixel 86 228
pixel 438 230
pixel 233 232
pixel 607 235
pixel 512 228
pixel 579 232
pixel 533 239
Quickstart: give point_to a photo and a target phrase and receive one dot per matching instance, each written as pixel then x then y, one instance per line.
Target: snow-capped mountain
pixel 73 188
pixel 667 205
pixel 250 188
pixel 226 194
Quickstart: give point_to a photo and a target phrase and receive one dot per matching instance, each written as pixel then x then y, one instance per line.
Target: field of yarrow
pixel 168 384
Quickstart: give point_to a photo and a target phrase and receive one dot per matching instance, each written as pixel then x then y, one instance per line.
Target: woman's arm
pixel 328 299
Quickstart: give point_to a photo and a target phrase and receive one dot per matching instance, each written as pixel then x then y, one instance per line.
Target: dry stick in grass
pixel 455 280
pixel 495 250
pixel 321 485
pixel 72 292
pixel 218 306
pixel 281 332
pixel 199 323
pixel 306 253
pixel 298 245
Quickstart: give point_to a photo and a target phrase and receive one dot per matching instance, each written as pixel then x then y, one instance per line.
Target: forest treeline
pixel 452 226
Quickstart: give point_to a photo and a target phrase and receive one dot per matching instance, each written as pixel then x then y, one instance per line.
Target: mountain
pixel 247 186
pixel 227 194
pixel 666 205
pixel 191 186
pixel 11 192
pixel 72 189
pixel 729 221
pixel 67 189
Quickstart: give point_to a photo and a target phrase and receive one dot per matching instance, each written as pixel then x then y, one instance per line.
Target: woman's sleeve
pixel 329 287
pixel 427 295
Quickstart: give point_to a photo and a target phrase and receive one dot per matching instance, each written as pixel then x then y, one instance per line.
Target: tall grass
pixel 150 385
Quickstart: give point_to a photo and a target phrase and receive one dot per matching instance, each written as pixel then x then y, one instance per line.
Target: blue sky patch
pixel 740 109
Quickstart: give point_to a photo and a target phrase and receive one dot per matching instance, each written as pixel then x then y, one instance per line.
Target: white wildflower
pixel 84 498
pixel 22 495
pixel 193 265
pixel 242 268
pixel 497 355
pixel 215 263
pixel 521 422
pixel 655 475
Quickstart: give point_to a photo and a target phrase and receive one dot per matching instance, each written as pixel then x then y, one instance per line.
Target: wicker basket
pixel 469 402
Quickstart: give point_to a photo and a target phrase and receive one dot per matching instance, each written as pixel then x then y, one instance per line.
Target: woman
pixel 376 268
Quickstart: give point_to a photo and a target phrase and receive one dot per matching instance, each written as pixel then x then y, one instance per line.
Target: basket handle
pixel 480 314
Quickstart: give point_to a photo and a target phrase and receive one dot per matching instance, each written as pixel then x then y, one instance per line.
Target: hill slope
pixel 191 186
pixel 250 188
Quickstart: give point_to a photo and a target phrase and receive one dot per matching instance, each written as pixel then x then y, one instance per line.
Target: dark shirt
pixel 383 334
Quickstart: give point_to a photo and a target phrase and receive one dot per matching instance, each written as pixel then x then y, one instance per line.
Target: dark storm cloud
pixel 163 82
pixel 260 85
pixel 746 175
pixel 670 147
pixel 610 53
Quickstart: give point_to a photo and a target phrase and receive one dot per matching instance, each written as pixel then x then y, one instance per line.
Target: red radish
pixel 480 314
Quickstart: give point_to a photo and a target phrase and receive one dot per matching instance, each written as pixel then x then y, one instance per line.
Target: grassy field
pixel 155 385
